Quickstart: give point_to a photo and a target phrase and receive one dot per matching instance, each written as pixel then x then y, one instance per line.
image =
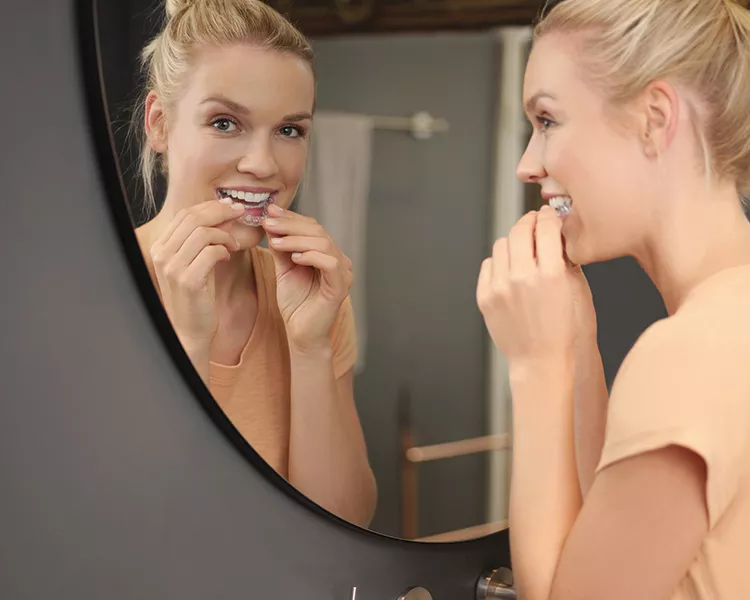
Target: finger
pixel 282 260
pixel 207 214
pixel 295 243
pixel 501 259
pixel 274 210
pixel 521 244
pixel 199 239
pixel 484 282
pixel 294 224
pixel 549 245
pixel 328 265
pixel 180 217
pixel 195 276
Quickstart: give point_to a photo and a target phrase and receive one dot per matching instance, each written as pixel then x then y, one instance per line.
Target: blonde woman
pixel 226 117
pixel 641 144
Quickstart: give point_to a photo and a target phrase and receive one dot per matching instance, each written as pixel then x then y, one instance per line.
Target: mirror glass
pixel 385 402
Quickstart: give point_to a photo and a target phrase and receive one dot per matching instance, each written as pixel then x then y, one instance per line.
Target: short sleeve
pixel 344 340
pixel 686 390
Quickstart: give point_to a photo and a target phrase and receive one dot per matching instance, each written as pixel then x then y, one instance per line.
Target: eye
pixel 292 131
pixel 544 122
pixel 224 124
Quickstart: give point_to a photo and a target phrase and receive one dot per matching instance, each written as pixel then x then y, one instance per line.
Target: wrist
pixel 195 348
pixel 544 371
pixel 320 350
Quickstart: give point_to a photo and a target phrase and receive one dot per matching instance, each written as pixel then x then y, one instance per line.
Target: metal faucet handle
pixel 497 583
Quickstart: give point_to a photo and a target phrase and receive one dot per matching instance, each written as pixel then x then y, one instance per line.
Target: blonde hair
pixel 190 24
pixel 700 45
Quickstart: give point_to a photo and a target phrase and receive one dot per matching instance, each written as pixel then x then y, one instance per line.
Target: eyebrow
pixel 243 110
pixel 531 102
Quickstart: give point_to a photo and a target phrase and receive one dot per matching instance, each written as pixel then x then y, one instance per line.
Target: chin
pixel 577 254
pixel 248 236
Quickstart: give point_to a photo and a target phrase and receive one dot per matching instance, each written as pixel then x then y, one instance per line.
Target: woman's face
pixel 240 128
pixel 580 149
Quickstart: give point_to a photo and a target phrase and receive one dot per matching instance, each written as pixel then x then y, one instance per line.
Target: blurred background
pixel 419 127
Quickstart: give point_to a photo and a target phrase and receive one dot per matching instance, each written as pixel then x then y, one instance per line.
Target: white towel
pixel 336 191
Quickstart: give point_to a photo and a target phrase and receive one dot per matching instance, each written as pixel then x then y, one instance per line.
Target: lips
pixel 255 203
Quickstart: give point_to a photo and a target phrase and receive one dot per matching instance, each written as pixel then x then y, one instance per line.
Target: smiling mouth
pixel 256 204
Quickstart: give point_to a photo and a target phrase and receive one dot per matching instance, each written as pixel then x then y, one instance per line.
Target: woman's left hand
pixel 526 293
pixel 313 277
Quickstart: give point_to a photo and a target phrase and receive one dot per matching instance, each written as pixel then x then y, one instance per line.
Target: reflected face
pixel 581 150
pixel 240 130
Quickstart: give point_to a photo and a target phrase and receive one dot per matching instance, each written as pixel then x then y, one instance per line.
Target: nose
pixel 530 168
pixel 258 159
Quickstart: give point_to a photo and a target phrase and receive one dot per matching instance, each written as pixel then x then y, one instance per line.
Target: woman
pixel 227 114
pixel 642 142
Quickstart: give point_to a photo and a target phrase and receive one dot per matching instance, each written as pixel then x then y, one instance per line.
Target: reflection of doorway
pixel 427 236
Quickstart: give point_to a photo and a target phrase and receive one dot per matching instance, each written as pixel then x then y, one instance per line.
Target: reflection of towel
pixel 335 193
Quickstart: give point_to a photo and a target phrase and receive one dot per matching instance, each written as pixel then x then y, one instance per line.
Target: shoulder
pixel 685 382
pixel 705 347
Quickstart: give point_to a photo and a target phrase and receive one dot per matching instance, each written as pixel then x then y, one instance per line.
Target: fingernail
pixel 225 200
pixel 277 241
pixel 276 209
pixel 238 207
pixel 296 255
pixel 272 222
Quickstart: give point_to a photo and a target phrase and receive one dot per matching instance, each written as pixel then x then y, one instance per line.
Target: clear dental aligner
pixel 251 201
pixel 561 204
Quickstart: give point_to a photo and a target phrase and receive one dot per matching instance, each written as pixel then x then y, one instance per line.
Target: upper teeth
pixel 562 204
pixel 247 196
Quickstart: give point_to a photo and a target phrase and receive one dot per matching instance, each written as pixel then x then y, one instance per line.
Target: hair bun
pixel 174 7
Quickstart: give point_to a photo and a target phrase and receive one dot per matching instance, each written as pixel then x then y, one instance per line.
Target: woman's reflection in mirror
pixel 225 118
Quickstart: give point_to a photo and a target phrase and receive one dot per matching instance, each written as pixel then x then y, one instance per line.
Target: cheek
pixel 291 159
pixel 193 153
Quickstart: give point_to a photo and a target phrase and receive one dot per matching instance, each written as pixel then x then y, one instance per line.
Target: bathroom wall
pixel 427 234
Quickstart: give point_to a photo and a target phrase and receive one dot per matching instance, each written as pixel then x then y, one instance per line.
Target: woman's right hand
pixel 184 257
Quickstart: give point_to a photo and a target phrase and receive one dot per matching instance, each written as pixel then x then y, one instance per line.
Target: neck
pixel 234 277
pixel 696 238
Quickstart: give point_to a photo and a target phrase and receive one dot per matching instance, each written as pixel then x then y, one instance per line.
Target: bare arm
pixel 591 394
pixel 545 496
pixel 640 529
pixel 644 514
pixel 590 410
pixel 327 453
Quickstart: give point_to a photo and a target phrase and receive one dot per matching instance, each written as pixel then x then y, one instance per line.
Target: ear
pixel 155 123
pixel 660 116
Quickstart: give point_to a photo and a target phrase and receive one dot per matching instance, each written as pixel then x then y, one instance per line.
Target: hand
pixel 313 277
pixel 526 293
pixel 184 258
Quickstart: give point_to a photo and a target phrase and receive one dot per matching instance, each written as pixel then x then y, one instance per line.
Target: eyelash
pixel 219 119
pixel 301 132
pixel 544 122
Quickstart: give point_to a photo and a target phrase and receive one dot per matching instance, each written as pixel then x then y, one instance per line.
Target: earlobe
pixel 155 123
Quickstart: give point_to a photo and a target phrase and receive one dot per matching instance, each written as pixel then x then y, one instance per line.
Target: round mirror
pixel 340 335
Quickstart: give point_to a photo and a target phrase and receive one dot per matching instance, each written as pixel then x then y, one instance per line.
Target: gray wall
pixel 427 234
pixel 121 478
